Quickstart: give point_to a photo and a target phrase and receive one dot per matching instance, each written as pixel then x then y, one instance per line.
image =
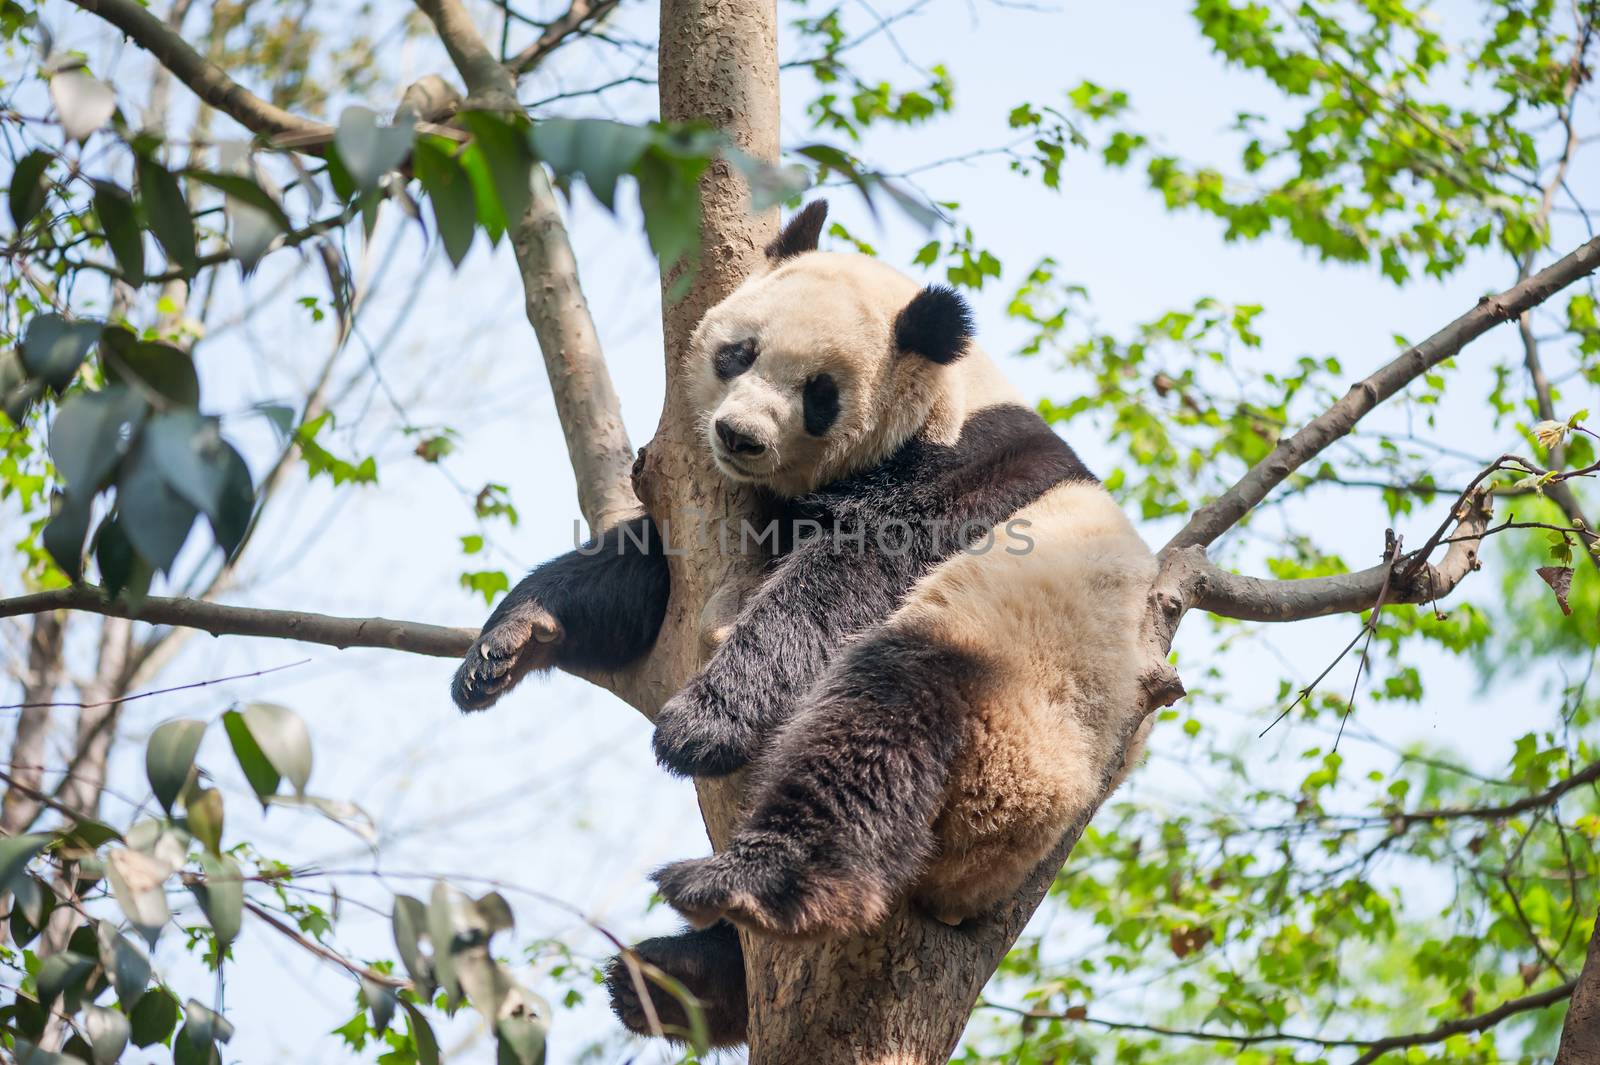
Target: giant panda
pixel 929 690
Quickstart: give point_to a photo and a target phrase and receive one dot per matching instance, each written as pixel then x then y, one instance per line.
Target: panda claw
pixel 525 639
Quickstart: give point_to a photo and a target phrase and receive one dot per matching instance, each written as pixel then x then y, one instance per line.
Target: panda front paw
pixel 772 893
pixel 698 736
pixel 514 644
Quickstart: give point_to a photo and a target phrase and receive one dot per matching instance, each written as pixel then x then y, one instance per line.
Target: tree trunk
pixel 901 996
pixel 1580 1035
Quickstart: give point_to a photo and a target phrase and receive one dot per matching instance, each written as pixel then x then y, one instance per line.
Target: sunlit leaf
pixel 369 150
pixel 125 965
pixel 221 896
pixel 169 758
pixel 108 1033
pixel 83 102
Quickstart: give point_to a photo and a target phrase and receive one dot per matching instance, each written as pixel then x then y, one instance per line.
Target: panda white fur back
pixel 923 723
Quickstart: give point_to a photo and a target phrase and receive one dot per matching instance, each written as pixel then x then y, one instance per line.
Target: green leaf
pixel 283 739
pixel 600 150
pixel 484 198
pixel 442 921
pixel 449 190
pixel 156 519
pixel 15 854
pixel 671 201
pixel 165 369
pixel 508 158
pixel 368 150
pixel 62 974
pixel 35 904
pixel 53 348
pixel 29 187
pixel 521 1042
pixel 108 1033
pixel 124 964
pixel 204 470
pixel 154 1017
pixel 87 437
pixel 190 1049
pixel 410 923
pixel 63 536
pixel 17 391
pixel 244 189
pixel 204 812
pixel 122 571
pixel 169 758
pixel 222 895
pixel 168 213
pixel 381 1001
pixel 258 769
pixel 203 1026
pixel 422 1035
pixel 120 222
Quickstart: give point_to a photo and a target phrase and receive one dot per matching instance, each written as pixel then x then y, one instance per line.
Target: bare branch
pixel 1233 595
pixel 586 401
pixel 1481 1022
pixel 222 620
pixel 208 81
pixel 117 699
pixel 1374 1048
pixel 486 79
pixel 1221 514
pixel 580 14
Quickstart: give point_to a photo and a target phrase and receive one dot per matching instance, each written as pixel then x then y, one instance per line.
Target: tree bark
pixel 17 808
pixel 1580 1035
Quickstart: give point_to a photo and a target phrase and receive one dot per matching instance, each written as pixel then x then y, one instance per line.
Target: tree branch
pixel 1374 1048
pixel 21 803
pixel 1462 1025
pixel 581 13
pixel 1221 514
pixel 586 401
pixel 208 81
pixel 222 620
pixel 485 77
pixel 1233 595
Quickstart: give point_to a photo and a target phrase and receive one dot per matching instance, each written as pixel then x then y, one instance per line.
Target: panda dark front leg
pixel 779 646
pixel 708 962
pixel 596 607
pixel 845 801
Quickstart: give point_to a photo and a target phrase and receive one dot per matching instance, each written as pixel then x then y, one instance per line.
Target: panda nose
pixel 737 442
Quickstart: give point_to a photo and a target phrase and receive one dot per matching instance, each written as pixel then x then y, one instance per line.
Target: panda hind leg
pixel 842 810
pixel 708 962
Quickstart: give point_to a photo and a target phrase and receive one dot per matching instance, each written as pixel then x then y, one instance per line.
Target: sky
pixel 553 794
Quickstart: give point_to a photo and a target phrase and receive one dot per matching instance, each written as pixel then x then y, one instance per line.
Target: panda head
pixel 821 366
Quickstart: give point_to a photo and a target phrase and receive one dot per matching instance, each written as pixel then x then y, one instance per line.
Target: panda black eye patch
pixel 821 403
pixel 734 359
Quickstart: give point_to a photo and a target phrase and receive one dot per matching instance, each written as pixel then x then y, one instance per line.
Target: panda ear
pixel 936 324
pixel 801 234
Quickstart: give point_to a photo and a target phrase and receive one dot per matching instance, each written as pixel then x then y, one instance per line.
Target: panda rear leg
pixel 708 962
pixel 843 808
